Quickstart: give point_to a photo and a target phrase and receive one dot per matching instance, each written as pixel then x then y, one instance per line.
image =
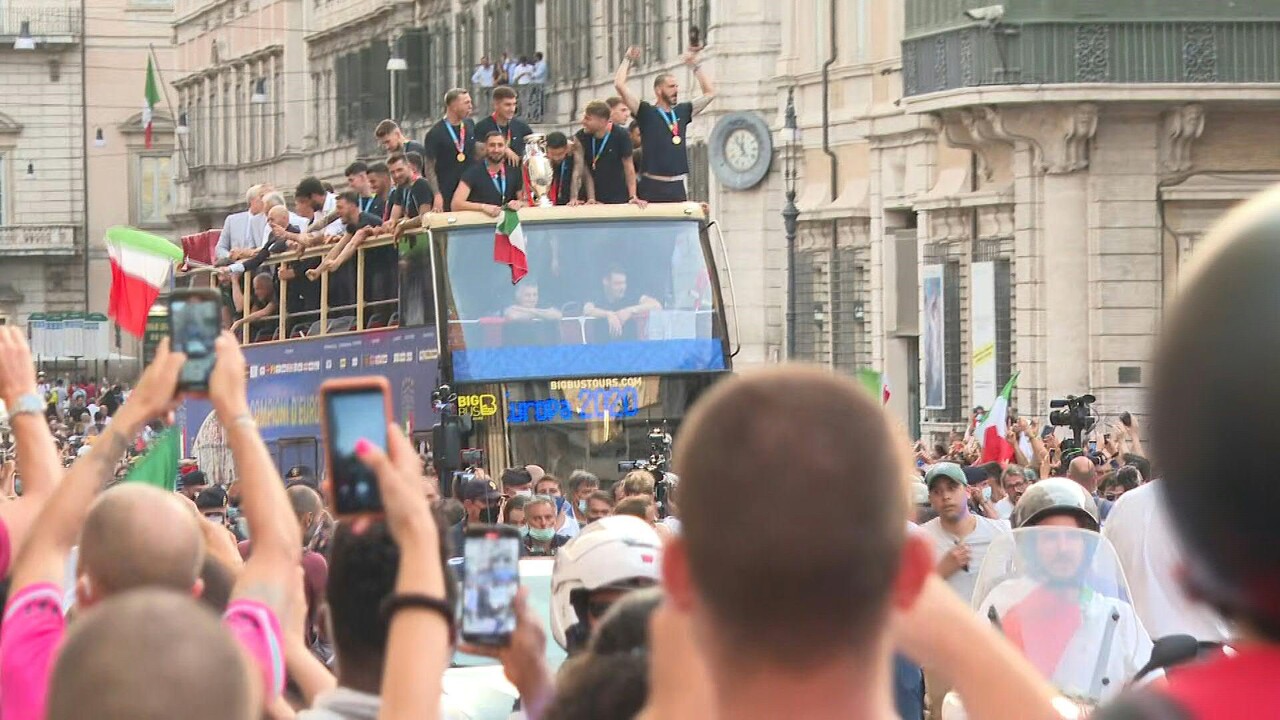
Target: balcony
pixel 50 23
pixel 1072 42
pixel 37 240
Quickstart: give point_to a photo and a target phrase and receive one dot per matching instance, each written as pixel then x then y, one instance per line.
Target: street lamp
pixel 24 40
pixel 395 64
pixel 790 213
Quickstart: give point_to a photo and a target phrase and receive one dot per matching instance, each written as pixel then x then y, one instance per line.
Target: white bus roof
pixel 655 211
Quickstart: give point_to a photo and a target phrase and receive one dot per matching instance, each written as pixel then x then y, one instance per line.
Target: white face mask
pixel 526 493
pixel 986 492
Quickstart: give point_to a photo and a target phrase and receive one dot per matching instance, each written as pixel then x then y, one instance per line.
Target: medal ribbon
pixel 500 177
pixel 595 154
pixel 506 130
pixel 672 121
pixel 460 143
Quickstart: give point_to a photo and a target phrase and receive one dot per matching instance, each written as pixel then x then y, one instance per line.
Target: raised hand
pixel 633 53
pixel 17 371
pixel 227 382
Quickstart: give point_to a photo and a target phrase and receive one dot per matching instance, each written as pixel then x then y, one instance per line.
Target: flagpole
pixel 164 90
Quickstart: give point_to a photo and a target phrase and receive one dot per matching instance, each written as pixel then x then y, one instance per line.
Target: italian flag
pixel 876 383
pixel 141 264
pixel 509 245
pixel 151 97
pixel 995 426
pixel 159 466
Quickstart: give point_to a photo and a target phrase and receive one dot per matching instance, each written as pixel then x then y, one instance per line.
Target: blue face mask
pixel 542 535
pixel 986 492
pixel 582 506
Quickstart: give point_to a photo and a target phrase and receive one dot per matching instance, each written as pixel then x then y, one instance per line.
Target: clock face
pixel 741 149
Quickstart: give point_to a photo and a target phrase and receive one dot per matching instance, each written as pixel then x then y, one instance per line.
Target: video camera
pixel 655 465
pixel 1077 415
pixel 447 437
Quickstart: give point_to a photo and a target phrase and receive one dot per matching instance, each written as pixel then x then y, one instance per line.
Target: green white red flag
pixel 141 264
pixel 151 98
pixel 993 429
pixel 876 383
pixel 509 245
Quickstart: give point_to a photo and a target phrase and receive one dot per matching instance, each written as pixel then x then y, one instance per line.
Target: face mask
pixel 582 506
pixel 526 493
pixel 542 534
pixel 524 530
pixel 986 492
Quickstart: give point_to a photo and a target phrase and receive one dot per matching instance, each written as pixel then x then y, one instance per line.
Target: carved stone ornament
pixel 1058 135
pixel 1200 53
pixel 1181 127
pixel 1093 53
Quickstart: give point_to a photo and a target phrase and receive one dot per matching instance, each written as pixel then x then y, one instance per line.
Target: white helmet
pixel 615 551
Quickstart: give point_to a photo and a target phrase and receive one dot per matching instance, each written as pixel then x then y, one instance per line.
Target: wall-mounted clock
pixel 740 150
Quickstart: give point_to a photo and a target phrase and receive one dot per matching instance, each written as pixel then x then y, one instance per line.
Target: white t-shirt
pixel 336 227
pixel 483 76
pixel 1142 532
pixel 979 541
pixel 1004 508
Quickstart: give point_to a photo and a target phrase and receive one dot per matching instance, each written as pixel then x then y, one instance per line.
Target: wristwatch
pixel 27 403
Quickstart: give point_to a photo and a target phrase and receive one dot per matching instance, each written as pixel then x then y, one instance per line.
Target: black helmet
pixel 1215 394
pixel 1056 496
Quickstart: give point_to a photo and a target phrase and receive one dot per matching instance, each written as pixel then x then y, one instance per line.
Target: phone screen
pixel 351 415
pixel 1093 446
pixel 194 325
pixel 491 580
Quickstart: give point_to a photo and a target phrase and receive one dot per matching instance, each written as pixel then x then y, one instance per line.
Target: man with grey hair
pixel 541 539
pixel 242 232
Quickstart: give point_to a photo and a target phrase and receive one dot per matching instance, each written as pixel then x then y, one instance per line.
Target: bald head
pixel 279 214
pixel 1081 470
pixel 140 536
pixel 181 662
pixel 306 504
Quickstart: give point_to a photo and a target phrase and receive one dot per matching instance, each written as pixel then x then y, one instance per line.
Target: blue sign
pixel 604 403
pixel 629 357
pixel 284 379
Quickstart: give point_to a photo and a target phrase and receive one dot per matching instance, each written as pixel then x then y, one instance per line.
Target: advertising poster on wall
pixel 934 331
pixel 982 332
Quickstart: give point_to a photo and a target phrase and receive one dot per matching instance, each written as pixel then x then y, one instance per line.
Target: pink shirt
pixel 6 550
pixel 29 640
pixel 258 630
pixel 34 627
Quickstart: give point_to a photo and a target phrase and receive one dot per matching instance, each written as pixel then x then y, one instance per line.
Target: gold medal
pixel 462 157
pixel 675 140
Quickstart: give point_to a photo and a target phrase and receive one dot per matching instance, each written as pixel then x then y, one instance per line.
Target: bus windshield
pixel 601 298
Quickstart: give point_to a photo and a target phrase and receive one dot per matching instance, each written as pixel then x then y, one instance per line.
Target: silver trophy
pixel 538 165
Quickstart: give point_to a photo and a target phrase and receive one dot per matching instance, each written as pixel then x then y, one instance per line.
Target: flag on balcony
pixel 508 245
pixel 140 266
pixel 151 96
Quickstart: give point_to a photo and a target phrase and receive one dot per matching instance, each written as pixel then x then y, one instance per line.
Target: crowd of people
pixel 791 576
pixel 627 151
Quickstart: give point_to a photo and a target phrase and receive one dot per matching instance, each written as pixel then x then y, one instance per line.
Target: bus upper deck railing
pixel 363 313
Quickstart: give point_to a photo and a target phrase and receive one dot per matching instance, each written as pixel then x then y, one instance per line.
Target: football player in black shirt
pixel 450 147
pixel 503 119
pixel 492 185
pixel 664 126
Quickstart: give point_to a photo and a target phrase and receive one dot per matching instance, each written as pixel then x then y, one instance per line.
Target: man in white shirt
pixel 960 538
pixel 540 72
pixel 483 76
pixel 1141 530
pixel 242 232
pixel 1014 482
pixel 522 73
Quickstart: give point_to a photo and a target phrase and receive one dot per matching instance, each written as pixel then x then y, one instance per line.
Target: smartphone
pixel 351 409
pixel 1093 446
pixel 195 321
pixel 1126 419
pixel 491 579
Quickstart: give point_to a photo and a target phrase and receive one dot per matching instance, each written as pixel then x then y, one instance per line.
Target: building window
pixel 809 307
pixel 467 55
pixel 849 298
pixel 570 32
pixel 4 191
pixel 955 388
pixel 153 193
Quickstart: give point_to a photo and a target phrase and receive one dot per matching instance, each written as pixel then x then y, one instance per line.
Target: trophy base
pixel 544 202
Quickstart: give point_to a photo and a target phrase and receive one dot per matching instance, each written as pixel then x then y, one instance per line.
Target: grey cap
pixel 946 470
pixel 1056 496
